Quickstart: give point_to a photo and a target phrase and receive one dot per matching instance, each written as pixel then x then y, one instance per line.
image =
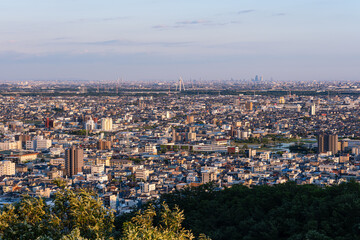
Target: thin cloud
pixel 246 11
pixel 119 42
pixel 187 23
pixel 85 20
pixel 161 26
pixel 194 22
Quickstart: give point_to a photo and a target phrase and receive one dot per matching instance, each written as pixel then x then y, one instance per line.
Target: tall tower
pixel 180 87
pixel 333 143
pixel 321 143
pixel 74 160
pixel 106 124
pixel 328 143
pixel 312 110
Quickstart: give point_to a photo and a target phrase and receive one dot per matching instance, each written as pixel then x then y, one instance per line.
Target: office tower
pixel 190 119
pixel 106 124
pixel 342 145
pixel 249 106
pixel 333 143
pixel 321 143
pixel 174 135
pixel 49 123
pixel 312 110
pixel 328 143
pixel 74 160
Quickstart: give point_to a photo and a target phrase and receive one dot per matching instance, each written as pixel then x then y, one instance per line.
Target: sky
pixel 149 40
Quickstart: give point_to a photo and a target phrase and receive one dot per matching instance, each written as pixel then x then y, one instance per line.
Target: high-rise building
pixel 190 119
pixel 106 124
pixel 328 143
pixel 321 143
pixel 342 145
pixel 49 123
pixel 312 110
pixel 74 160
pixel 333 143
pixel 249 106
pixel 7 168
pixel 104 145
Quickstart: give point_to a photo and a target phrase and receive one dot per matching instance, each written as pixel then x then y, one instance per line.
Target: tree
pixel 28 218
pixel 32 218
pixel 144 226
pixel 83 210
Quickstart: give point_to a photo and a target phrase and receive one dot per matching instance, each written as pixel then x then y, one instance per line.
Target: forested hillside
pixel 285 211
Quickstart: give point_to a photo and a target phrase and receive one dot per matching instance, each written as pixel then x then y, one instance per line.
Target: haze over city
pixel 162 40
pixel 164 119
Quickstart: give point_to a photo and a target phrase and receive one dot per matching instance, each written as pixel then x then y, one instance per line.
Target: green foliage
pixel 74 235
pixel 79 215
pixel 81 132
pixel 82 210
pixel 301 148
pixel 267 139
pixel 136 160
pixel 32 218
pixel 168 227
pixel 285 211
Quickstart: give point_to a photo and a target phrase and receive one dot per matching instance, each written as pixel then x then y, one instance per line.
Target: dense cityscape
pixel 179 120
pixel 131 148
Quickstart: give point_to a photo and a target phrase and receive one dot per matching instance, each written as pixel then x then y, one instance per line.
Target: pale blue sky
pixel 165 39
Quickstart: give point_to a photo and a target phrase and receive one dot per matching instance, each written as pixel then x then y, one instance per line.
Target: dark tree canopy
pixel 285 211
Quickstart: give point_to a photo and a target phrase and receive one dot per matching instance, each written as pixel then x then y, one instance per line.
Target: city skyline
pixel 162 40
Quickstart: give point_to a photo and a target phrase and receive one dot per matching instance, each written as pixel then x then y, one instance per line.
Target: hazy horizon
pixel 164 39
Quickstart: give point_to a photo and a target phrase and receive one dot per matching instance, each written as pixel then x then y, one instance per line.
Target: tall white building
pixel 106 124
pixel 312 110
pixel 7 168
